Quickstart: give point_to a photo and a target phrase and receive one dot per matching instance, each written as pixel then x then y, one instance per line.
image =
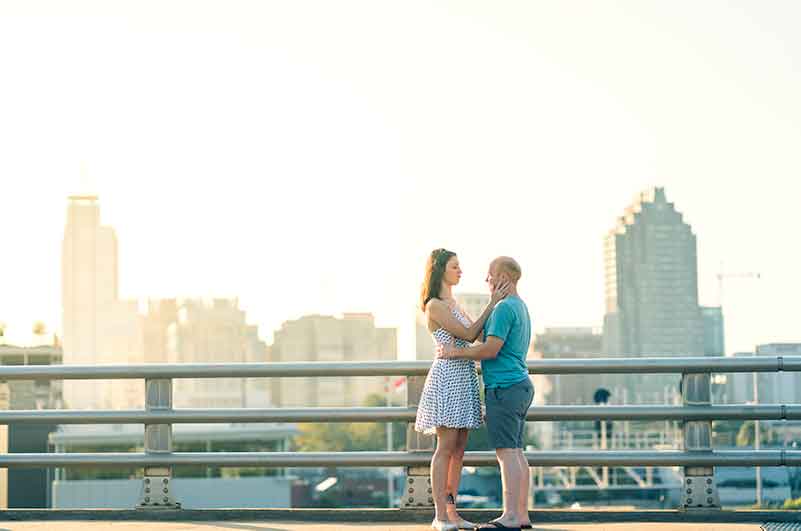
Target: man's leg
pixel 525 471
pixel 525 488
pixel 511 477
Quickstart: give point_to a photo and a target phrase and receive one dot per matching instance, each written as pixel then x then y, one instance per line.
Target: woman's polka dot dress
pixel 450 395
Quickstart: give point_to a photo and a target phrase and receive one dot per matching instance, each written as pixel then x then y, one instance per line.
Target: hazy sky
pixel 306 156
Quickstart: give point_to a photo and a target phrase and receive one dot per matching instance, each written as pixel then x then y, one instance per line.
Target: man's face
pixel 492 277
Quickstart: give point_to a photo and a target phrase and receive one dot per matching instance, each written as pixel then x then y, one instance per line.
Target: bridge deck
pixel 342 526
pixel 386 520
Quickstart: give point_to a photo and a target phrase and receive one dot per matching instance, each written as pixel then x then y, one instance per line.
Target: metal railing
pixel 698 457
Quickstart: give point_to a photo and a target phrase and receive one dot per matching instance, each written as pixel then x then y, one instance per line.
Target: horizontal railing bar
pixel 393 459
pixel 393 414
pixel 211 416
pixel 722 412
pixel 651 365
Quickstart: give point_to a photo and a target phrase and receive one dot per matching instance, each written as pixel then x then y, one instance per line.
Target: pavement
pixel 340 526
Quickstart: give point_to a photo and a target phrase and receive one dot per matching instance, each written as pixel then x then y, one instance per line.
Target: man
pixel 508 392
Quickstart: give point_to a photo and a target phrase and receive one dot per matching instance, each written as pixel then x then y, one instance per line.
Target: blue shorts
pixel 506 413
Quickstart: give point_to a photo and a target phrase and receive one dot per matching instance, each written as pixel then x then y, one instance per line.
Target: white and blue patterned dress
pixel 450 395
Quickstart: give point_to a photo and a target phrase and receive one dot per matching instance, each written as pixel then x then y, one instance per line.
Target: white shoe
pixel 464 524
pixel 443 525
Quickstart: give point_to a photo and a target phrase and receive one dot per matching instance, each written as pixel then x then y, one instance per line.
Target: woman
pixel 450 403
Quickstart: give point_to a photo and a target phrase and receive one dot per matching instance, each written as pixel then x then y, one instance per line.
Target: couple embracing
pixel 450 404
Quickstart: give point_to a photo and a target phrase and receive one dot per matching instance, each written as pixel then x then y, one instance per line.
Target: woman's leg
pixel 455 472
pixel 447 439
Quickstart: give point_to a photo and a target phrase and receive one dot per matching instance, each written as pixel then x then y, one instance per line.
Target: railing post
pixel 157 482
pixel 699 490
pixel 5 403
pixel 417 493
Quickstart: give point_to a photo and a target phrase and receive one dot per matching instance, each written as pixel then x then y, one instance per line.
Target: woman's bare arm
pixel 440 313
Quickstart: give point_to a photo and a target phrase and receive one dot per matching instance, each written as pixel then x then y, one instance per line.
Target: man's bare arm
pixel 482 351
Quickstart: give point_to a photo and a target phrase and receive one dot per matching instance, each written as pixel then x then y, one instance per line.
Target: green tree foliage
pixel 351 437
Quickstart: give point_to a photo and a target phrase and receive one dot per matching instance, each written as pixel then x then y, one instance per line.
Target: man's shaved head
pixel 508 265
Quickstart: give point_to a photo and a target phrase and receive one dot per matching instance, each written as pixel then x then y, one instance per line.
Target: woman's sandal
pixel 462 523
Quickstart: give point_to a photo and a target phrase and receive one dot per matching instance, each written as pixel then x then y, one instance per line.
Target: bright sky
pixel 306 156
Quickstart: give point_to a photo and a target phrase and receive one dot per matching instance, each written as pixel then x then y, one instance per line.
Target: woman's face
pixel 452 272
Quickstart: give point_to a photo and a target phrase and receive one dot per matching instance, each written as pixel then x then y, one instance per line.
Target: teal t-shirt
pixel 510 322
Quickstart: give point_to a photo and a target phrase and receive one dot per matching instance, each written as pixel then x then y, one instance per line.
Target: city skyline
pixel 145 300
pixel 309 164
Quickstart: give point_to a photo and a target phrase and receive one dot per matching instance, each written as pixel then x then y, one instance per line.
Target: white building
pixel 214 331
pixel 97 326
pixel 354 337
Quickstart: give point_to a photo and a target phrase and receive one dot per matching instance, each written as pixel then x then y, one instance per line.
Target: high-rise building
pixel 652 282
pixel 209 331
pixel 97 326
pixel 354 337
pixel 714 340
pixel 89 278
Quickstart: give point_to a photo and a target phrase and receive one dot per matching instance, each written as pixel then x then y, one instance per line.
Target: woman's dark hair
pixel 435 270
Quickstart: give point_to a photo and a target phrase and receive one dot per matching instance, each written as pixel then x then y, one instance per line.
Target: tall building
pixel 208 331
pixel 714 339
pixel 354 337
pixel 97 326
pixel 89 278
pixel 652 282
